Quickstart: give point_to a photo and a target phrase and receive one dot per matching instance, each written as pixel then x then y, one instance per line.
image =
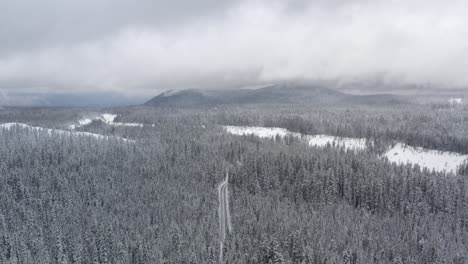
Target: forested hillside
pixel 76 199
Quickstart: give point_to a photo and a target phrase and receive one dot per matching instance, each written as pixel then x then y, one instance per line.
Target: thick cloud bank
pixel 234 44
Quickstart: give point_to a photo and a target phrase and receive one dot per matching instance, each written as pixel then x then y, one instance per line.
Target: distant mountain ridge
pixel 274 94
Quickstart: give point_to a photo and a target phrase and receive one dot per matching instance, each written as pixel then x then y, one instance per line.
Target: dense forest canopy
pixel 79 199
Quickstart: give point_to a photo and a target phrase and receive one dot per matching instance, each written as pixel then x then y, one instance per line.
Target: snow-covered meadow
pixel 340 142
pixel 455 101
pixel 313 140
pixel 261 132
pixel 444 161
pixel 107 118
pixel 441 161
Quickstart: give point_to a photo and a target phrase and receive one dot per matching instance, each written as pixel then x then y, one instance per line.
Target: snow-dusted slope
pixel 442 161
pixel 312 140
pixel 106 118
pixel 51 131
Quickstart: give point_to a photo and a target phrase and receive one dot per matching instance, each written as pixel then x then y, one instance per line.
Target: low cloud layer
pixel 116 46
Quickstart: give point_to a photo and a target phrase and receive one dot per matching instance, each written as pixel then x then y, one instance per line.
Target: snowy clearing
pixel 262 132
pixel 340 142
pixel 129 124
pixel 313 140
pixel 106 118
pixel 455 101
pixel 51 131
pixel 442 161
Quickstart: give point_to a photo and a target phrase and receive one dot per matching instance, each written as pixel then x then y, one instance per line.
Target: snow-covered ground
pixel 128 124
pixel 313 140
pixel 51 131
pixel 106 118
pixel 455 101
pixel 341 142
pixel 262 132
pixel 81 122
pixel 443 161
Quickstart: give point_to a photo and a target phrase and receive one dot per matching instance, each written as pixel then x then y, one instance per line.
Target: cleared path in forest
pixel 224 215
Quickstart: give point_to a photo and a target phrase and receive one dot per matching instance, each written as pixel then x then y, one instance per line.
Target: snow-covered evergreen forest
pixel 147 193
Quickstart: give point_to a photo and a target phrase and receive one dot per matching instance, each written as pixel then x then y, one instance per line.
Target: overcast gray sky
pixel 145 46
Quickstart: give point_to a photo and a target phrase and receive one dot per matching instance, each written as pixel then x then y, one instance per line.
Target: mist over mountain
pixel 274 94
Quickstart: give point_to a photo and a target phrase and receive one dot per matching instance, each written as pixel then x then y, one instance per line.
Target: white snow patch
pixel 127 124
pixel 340 142
pixel 262 132
pixel 106 118
pixel 442 161
pixel 11 125
pixel 455 101
pixel 81 122
pixel 313 140
pixel 52 131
